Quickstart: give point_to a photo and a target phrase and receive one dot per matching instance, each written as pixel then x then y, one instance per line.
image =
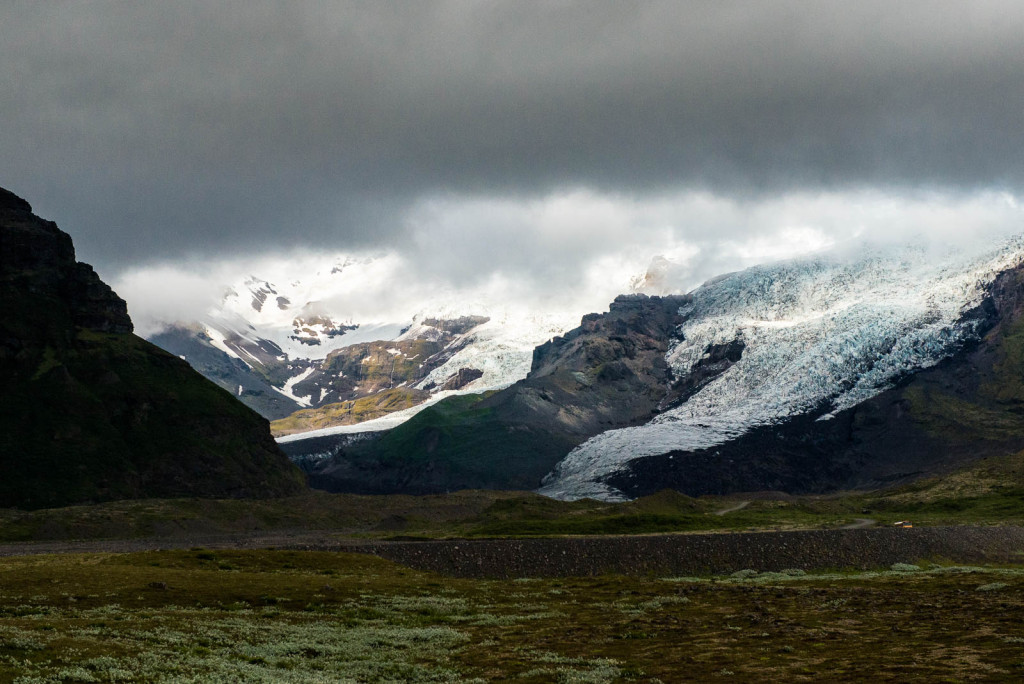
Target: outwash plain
pixel 492 586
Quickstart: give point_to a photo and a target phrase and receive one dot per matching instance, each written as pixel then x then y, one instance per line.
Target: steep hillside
pixel 251 382
pixel 91 412
pixel 610 372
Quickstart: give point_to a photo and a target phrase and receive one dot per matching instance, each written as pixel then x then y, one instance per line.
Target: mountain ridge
pixel 800 353
pixel 609 372
pixel 291 348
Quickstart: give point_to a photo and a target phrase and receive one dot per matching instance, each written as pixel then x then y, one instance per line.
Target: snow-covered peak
pixel 285 321
pixel 307 307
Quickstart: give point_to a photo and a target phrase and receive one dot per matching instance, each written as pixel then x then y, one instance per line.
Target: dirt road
pixel 738 507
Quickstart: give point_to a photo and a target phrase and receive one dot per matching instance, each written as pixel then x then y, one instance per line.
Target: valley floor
pixel 665 588
pixel 279 616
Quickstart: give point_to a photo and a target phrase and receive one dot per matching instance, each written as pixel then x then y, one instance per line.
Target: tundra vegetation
pixel 280 616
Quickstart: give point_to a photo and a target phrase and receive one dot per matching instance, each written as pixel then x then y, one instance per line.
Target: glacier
pixel 821 335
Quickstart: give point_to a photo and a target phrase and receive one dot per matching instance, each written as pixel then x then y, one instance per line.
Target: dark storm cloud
pixel 154 130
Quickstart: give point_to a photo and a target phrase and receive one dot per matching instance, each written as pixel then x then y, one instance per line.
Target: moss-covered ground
pixel 265 615
pixel 279 616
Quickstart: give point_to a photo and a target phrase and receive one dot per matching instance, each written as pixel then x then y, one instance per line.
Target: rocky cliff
pixel 91 412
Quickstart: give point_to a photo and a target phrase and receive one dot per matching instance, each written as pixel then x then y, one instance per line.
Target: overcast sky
pixel 515 135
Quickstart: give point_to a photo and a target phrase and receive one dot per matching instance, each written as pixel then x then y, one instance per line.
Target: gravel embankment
pixel 668 554
pixel 706 553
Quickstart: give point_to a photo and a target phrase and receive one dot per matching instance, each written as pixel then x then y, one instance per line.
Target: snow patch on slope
pixel 290 384
pixel 821 332
pixel 217 339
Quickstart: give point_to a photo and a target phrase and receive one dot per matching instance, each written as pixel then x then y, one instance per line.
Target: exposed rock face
pixel 370 367
pixel 463 377
pixel 610 372
pixel 456 326
pixel 38 258
pixel 11 202
pixel 91 412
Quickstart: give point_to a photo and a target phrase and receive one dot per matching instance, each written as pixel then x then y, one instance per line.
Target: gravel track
pixel 666 554
pixel 732 509
pixel 301 540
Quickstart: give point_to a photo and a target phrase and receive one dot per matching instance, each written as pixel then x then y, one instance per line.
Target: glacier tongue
pixel 819 335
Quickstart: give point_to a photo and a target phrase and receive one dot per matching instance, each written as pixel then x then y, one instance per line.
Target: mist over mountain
pixel 342 334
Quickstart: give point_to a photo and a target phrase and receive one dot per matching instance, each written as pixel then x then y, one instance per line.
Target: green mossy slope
pixel 349 412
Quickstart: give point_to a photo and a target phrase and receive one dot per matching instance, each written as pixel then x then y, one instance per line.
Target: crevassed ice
pixel 502 349
pixel 822 332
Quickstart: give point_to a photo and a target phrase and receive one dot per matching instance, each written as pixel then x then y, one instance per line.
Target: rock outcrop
pixel 91 412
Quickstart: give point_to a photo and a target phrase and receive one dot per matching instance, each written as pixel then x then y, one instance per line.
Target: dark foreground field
pixel 279 616
pixel 756 588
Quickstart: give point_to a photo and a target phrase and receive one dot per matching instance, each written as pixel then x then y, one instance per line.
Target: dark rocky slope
pixel 91 412
pixel 251 385
pixel 608 373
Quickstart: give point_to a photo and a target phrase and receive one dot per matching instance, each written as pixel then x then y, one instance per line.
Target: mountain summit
pixel 91 412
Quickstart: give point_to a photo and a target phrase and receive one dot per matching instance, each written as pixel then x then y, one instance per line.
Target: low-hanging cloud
pixel 566 252
pixel 153 131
